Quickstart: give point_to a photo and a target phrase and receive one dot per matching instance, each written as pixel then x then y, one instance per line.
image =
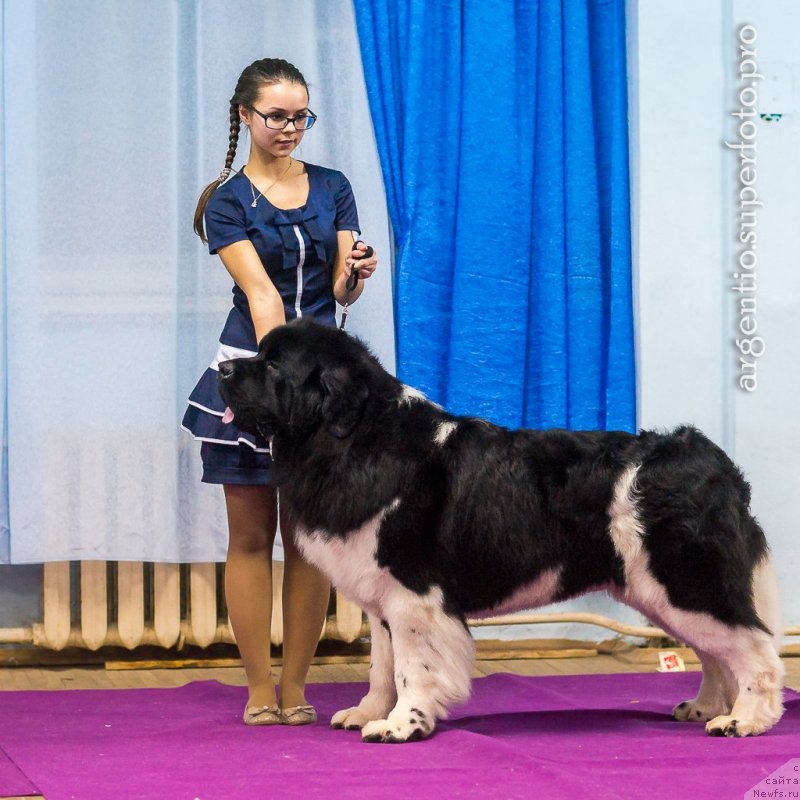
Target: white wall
pixel 683 78
pixel 687 224
pixel 766 423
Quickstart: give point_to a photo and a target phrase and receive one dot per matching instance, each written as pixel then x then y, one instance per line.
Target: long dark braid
pixel 260 73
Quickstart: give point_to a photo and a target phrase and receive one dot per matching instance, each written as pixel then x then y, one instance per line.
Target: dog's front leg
pixel 433 658
pixel 381 696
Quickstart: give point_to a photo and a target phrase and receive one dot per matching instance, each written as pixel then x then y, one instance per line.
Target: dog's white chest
pixel 350 561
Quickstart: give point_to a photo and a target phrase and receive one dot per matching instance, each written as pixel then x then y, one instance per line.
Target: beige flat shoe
pixel 298 715
pixel 262 715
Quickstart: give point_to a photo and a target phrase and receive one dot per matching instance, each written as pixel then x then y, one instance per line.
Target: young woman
pixel 285 231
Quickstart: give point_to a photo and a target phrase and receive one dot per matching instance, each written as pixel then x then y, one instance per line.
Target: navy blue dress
pixel 297 248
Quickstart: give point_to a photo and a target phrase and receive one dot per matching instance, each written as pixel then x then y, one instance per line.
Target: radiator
pixel 94 604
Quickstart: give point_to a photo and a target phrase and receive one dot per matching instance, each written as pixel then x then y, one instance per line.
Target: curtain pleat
pixel 502 134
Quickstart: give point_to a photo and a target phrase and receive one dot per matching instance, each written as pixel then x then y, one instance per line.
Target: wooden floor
pixel 518 658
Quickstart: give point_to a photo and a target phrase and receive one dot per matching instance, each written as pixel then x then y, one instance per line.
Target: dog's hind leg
pixel 718 689
pixel 433 658
pixel 758 671
pixel 744 655
pixel 742 673
pixel 716 696
pixel 382 695
pixel 756 664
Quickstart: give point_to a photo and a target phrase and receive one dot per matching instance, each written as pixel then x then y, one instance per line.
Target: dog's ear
pixel 343 401
pixel 302 406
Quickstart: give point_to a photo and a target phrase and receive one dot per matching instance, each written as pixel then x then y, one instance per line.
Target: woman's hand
pixel 363 265
pixel 351 259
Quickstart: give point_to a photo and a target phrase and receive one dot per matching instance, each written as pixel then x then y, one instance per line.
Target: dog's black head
pixel 305 377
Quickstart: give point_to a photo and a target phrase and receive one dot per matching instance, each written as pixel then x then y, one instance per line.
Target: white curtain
pixel 115 115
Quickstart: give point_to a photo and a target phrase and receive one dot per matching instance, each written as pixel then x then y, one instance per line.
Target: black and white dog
pixel 424 519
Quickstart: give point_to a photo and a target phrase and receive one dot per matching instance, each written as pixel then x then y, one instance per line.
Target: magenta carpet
pixel 12 781
pixel 604 737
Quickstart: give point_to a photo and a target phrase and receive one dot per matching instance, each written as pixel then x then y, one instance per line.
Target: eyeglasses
pixel 277 122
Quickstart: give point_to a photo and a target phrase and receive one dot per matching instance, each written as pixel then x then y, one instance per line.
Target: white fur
pixel 740 664
pixel 444 431
pixel 382 695
pixel 410 394
pixel 767 598
pixel 350 561
pixel 625 528
pixel 427 661
pixel 433 658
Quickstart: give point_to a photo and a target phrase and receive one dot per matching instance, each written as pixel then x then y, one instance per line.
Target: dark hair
pixel 260 73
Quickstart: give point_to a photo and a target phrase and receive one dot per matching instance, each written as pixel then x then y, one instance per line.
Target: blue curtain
pixel 502 130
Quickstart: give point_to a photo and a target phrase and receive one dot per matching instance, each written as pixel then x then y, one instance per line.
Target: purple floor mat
pixel 604 737
pixel 12 782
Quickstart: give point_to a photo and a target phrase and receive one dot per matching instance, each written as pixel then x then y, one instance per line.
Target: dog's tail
pixel 766 595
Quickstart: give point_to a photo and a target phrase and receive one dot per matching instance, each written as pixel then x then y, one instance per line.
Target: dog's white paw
pixel 693 711
pixel 351 719
pixel 374 705
pixel 729 726
pixel 400 726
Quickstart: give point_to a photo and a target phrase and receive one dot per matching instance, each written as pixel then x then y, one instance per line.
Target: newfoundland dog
pixel 425 518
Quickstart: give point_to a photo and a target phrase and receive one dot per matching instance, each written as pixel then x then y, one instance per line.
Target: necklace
pixel 278 179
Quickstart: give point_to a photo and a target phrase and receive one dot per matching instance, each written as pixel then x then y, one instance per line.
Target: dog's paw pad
pixel 392 732
pixel 375 731
pixel 349 719
pixel 728 726
pixel 690 711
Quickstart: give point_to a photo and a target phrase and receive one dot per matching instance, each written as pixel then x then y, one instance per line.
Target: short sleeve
pixel 346 213
pixel 225 222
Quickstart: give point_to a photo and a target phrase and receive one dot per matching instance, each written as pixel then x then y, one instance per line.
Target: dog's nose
pixel 226 369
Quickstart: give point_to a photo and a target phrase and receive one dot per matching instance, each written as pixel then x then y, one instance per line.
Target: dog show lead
pixel 286 231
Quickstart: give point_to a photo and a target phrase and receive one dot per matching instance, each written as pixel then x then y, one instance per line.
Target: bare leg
pixel 306 593
pixel 252 514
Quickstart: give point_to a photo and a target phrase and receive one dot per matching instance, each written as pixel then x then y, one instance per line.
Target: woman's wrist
pixel 341 293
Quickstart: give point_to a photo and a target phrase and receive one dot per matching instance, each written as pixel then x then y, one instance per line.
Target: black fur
pixel 492 508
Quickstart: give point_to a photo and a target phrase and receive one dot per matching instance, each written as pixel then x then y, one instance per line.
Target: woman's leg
pixel 252 514
pixel 305 600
